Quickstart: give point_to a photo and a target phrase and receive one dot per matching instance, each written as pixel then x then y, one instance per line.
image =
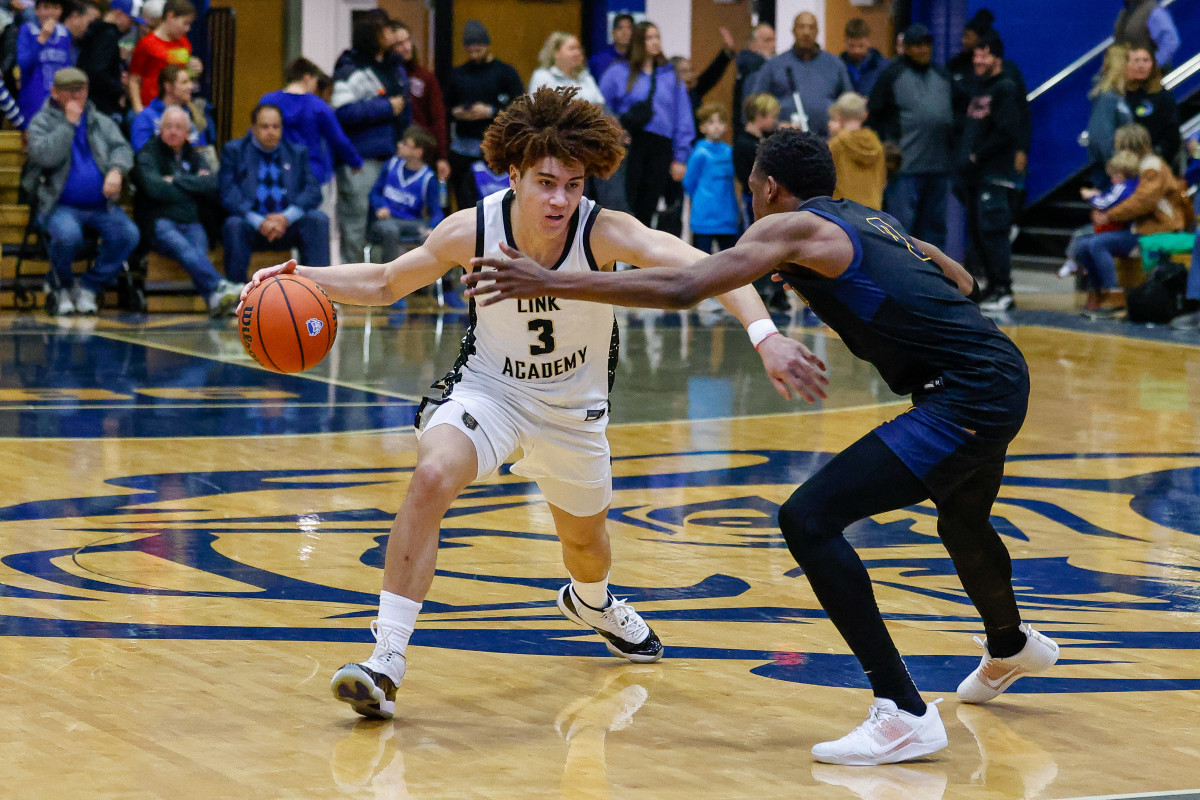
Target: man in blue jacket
pixel 271 195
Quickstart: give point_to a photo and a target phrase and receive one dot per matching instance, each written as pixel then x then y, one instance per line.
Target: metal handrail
pixel 1181 73
pixel 1079 63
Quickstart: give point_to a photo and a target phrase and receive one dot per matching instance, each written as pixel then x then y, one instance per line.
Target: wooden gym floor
pixel 189 547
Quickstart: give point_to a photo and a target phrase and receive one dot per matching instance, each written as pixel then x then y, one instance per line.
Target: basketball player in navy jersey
pixel 902 305
pixel 531 375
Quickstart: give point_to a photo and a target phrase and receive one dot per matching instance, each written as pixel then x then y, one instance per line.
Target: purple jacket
pixel 672 108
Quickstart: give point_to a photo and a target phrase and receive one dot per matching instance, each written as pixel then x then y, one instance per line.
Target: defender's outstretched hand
pixel 262 275
pixel 792 367
pixel 515 277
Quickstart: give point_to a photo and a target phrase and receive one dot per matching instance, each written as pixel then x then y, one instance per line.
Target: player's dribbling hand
pixel 792 367
pixel 516 277
pixel 262 275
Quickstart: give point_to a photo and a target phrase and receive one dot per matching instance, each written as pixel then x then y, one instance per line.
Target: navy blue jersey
pixel 895 308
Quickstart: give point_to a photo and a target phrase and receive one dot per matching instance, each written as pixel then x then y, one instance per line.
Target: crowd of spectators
pixel 108 91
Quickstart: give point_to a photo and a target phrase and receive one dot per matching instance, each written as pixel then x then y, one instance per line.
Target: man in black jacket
pixel 100 58
pixel 477 91
pixel 991 137
pixel 174 182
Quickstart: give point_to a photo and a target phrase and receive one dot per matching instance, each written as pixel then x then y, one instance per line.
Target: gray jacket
pixel 50 138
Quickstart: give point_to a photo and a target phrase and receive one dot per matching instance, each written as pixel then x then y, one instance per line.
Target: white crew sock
pixel 398 616
pixel 594 595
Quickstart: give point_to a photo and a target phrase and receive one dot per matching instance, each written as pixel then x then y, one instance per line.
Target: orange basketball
pixel 288 324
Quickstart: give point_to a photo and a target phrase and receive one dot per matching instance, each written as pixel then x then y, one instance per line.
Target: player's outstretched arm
pixel 769 243
pixel 792 368
pixel 951 268
pixel 780 239
pixel 451 243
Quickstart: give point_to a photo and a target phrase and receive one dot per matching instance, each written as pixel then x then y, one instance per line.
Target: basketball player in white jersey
pixel 533 375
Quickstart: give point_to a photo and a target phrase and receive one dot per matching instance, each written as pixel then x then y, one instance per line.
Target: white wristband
pixel 759 330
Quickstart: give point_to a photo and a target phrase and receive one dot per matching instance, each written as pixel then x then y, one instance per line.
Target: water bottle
pixel 443 195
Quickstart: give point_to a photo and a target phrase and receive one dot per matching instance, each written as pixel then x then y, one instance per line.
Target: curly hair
pixel 553 123
pixel 799 161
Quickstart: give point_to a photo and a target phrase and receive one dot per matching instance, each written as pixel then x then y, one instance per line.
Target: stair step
pixel 10 141
pixel 1038 263
pixel 13 214
pixel 1034 231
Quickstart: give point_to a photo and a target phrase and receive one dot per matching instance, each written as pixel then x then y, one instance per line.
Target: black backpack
pixel 1160 298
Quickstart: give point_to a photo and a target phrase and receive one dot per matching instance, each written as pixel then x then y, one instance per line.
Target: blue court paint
pixel 94 387
pixel 1054 590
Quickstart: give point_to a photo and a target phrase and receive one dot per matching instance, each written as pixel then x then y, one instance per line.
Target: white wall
pixel 674 21
pixel 785 15
pixel 325 29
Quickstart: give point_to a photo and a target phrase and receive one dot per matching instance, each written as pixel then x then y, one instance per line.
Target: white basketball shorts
pixel 569 460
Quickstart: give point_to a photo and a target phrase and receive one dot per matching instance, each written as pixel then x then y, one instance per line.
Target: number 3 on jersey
pixel 545 331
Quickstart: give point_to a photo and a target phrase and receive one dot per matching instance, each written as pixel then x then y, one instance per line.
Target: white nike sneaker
pixel 994 675
pixel 889 735
pixel 370 687
pixel 625 633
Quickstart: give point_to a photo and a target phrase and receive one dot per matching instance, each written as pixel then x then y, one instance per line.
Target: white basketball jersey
pixel 559 352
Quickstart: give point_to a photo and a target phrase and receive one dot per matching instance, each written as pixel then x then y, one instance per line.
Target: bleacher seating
pixel 168 287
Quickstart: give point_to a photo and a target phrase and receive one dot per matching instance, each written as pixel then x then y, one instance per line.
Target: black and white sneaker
pixel 625 633
pixel 370 687
pixel 1000 301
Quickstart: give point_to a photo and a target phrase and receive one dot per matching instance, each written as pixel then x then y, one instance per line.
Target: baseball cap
pixel 917 33
pixel 127 7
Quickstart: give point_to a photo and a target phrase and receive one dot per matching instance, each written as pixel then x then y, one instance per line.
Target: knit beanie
pixel 475 33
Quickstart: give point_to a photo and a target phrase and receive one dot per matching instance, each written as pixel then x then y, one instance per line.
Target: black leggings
pixel 866 479
pixel 647 173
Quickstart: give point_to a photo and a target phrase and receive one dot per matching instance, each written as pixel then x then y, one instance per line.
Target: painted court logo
pixel 1095 541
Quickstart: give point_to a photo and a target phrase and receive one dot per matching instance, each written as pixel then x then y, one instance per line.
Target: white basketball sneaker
pixel 370 687
pixel 625 633
pixel 889 735
pixel 994 675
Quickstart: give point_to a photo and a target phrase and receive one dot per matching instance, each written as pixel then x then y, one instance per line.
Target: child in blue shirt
pixel 43 48
pixel 1123 171
pixel 488 182
pixel 405 201
pixel 709 181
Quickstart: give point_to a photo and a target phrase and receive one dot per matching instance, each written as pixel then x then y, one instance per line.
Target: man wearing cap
pixel 83 159
pixel 100 57
pixel 910 108
pixel 477 91
pixel 806 72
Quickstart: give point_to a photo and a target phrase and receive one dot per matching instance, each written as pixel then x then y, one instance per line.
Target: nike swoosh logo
pixel 1012 673
pixel 893 748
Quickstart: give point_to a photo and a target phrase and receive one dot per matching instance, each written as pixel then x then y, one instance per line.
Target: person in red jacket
pixel 425 96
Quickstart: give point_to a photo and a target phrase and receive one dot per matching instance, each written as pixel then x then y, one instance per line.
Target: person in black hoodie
pixel 477 91
pixel 962 66
pixel 100 58
pixel 987 149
